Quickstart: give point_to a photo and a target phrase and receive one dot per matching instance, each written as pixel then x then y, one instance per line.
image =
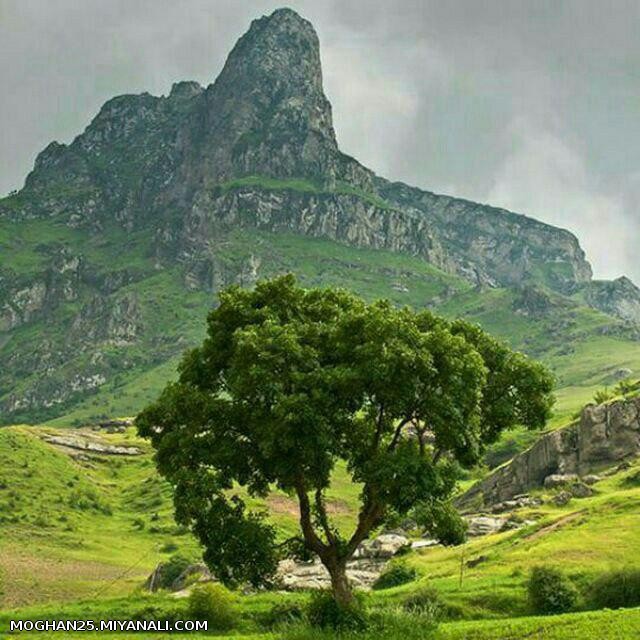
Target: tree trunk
pixel 340 584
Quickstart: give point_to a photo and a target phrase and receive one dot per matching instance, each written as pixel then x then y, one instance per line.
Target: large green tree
pixel 290 381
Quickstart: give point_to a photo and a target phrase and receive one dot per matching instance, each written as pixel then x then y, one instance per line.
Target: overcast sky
pixel 533 106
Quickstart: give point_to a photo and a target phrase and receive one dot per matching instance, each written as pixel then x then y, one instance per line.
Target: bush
pixel 324 612
pixel 282 614
pixel 150 613
pixel 625 387
pixel 603 395
pixel 386 624
pixel 394 576
pixel 550 591
pixel 616 589
pixel 172 569
pixel 213 603
pixel 425 601
pixel 398 623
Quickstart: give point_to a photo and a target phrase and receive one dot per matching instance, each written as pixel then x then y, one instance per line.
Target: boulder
pixel 580 490
pixel 363 570
pixel 424 544
pixel 298 576
pixel 561 499
pixel 591 479
pixel 386 546
pixel 484 525
pixel 556 480
pixel 518 502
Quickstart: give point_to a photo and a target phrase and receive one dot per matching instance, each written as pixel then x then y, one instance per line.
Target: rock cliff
pixel 111 231
pixel 605 435
pixel 149 162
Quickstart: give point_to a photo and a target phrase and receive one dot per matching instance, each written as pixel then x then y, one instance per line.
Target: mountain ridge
pixel 144 204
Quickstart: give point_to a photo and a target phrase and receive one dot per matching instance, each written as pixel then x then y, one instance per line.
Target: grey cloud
pixel 528 105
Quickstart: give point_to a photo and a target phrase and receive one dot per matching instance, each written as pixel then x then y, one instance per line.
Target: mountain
pixel 113 250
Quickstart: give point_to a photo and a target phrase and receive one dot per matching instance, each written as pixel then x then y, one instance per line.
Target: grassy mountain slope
pixel 87 532
pixel 112 352
pixel 78 527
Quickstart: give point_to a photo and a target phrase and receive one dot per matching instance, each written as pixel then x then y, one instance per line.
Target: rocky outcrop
pixel 605 435
pixel 92 446
pixel 495 246
pixel 25 299
pixel 618 297
pixel 172 177
pixel 532 301
pixel 161 162
pixel 363 570
pixel 193 574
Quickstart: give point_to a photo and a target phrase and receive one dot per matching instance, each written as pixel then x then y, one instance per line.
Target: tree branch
pixel 310 537
pixel 379 425
pixel 322 517
pixel 396 435
pixel 367 520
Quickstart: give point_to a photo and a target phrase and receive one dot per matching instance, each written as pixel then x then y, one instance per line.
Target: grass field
pixel 79 536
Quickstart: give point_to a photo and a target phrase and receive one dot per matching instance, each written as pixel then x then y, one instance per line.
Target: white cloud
pixel 546 178
pixel 376 99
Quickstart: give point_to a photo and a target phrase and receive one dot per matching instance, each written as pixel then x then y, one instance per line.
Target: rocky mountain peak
pixel 281 50
pixel 619 297
pixel 267 113
pixel 185 89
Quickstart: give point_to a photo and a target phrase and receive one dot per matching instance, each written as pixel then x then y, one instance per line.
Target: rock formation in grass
pixel 605 435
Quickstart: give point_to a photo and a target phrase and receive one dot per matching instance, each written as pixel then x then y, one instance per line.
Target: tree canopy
pixel 289 381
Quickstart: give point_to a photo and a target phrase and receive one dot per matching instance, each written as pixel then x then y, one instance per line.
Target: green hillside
pixel 80 535
pixel 134 349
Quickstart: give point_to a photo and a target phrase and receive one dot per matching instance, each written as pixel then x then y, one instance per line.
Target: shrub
pixel 172 569
pixel 88 500
pixel 281 614
pixel 386 624
pixel 394 576
pixel 398 623
pixel 625 387
pixel 213 603
pixel 425 601
pixel 603 395
pixel 550 591
pixel 616 589
pixel 632 480
pixel 324 612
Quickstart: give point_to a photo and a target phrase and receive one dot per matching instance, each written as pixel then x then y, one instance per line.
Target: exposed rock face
pixel 177 174
pixel 606 434
pixel 194 573
pixel 533 301
pixel 618 297
pixel 144 158
pixel 363 570
pixel 92 446
pixel 494 246
pixel 266 114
